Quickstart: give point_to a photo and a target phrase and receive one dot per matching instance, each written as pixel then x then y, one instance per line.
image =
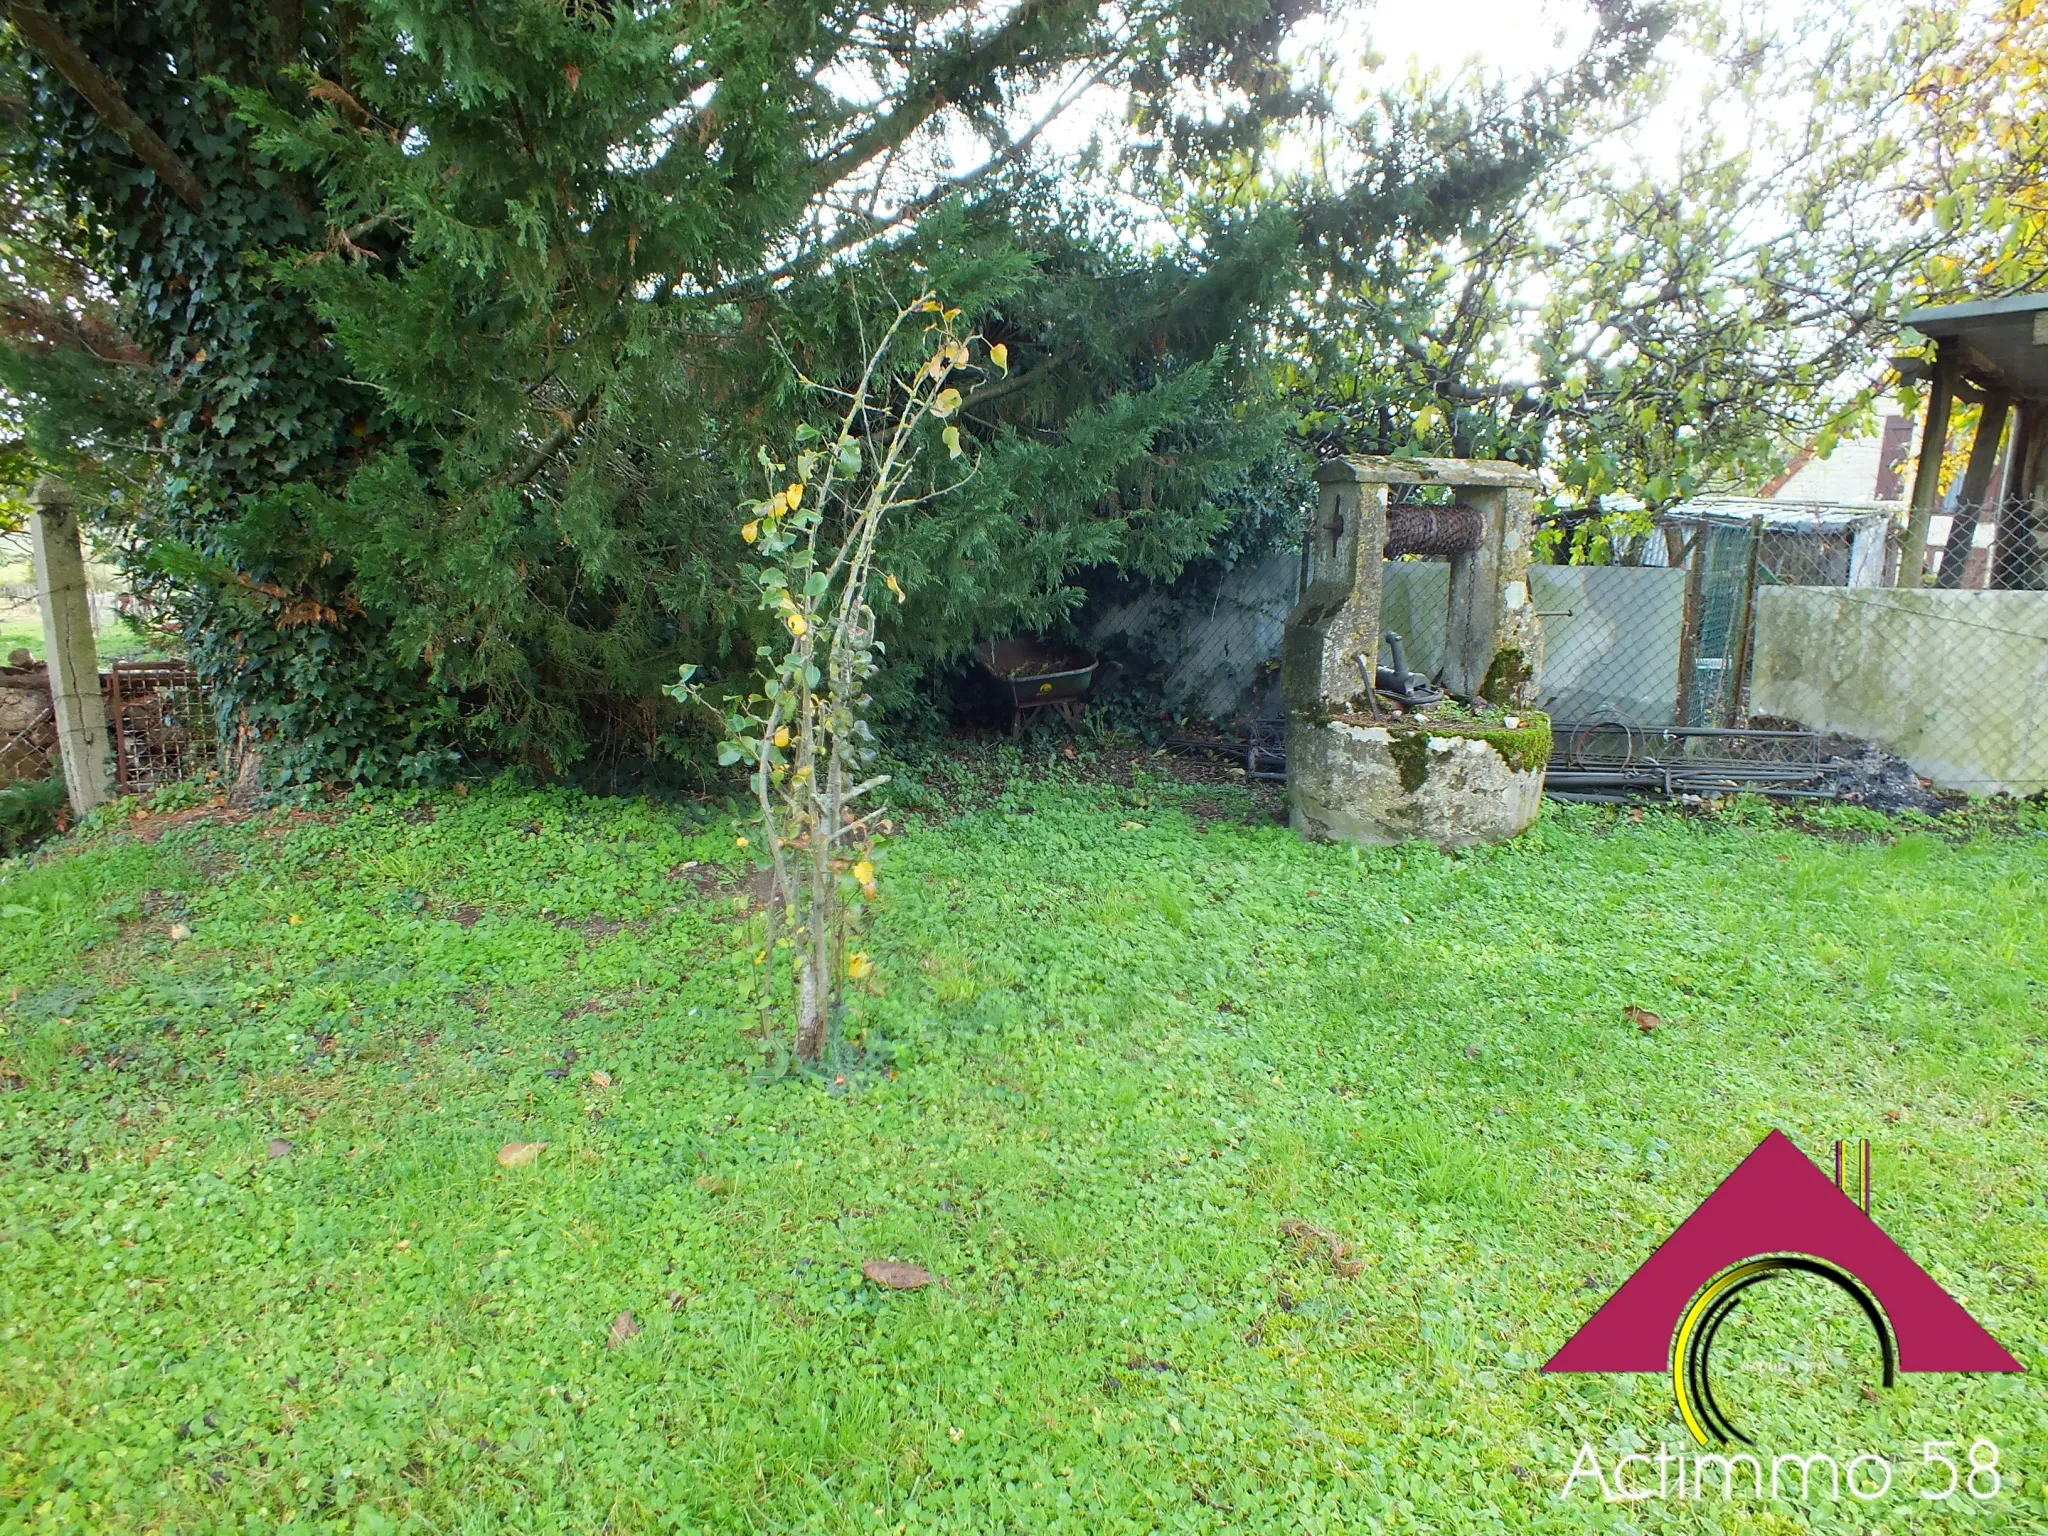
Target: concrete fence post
pixel 66 603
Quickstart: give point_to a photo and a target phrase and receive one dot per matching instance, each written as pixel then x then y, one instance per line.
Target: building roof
pixel 2004 342
pixel 1779 515
pixel 1378 469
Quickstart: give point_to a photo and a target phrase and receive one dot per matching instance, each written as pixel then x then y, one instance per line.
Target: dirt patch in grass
pixel 595 929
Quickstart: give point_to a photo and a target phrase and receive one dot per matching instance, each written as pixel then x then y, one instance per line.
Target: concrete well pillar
pixel 1338 616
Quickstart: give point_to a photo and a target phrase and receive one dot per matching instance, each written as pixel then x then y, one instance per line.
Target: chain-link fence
pixel 1754 646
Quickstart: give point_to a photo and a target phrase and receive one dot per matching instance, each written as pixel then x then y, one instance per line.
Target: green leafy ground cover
pixel 1118 1036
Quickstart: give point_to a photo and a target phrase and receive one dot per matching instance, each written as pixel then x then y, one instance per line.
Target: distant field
pixel 21 629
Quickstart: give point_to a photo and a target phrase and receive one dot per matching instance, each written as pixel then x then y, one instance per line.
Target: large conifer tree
pixel 463 322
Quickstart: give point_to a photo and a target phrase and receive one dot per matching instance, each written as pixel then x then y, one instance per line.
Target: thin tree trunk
pixel 810 1030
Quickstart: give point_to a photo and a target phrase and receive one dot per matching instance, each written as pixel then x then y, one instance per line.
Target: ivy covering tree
pixel 460 324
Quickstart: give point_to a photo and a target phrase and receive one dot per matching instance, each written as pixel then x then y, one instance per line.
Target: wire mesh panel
pixel 1757 646
pixel 163 725
pixel 1788 633
pixel 1415 603
pixel 1220 649
pixel 1610 641
pixel 28 726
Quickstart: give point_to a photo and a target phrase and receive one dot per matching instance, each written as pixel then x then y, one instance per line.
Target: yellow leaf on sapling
pixel 796 624
pixel 953 448
pixel 891 583
pixel 782 735
pixel 751 532
pixel 1000 356
pixel 864 872
pixel 945 402
pixel 859 966
pixel 794 495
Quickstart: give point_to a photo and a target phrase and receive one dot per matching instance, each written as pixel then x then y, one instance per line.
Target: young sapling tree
pixel 803 731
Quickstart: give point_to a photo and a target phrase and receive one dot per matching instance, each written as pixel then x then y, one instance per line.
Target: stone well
pixel 1357 774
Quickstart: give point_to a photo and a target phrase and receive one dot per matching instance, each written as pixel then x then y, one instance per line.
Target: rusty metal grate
pixel 163 725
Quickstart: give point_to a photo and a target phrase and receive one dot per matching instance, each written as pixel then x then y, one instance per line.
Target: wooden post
pixel 1736 710
pixel 1941 392
pixel 1962 531
pixel 67 634
pixel 2016 551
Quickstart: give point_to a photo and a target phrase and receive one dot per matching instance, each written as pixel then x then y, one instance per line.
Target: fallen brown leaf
pixel 1642 1018
pixel 623 1328
pixel 891 1275
pixel 601 1079
pixel 517 1154
pixel 279 1147
pixel 1310 1239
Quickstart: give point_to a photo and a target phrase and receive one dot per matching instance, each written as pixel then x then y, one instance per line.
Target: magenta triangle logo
pixel 1777 1213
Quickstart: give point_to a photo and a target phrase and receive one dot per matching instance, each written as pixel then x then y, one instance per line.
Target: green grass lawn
pixel 1117 1036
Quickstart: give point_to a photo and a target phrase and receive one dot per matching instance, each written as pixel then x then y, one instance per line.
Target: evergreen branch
pixel 556 441
pixel 957 75
pixel 999 389
pixel 917 207
pixel 42 33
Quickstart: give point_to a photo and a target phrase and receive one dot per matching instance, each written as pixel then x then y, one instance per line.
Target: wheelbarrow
pixel 1039 676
